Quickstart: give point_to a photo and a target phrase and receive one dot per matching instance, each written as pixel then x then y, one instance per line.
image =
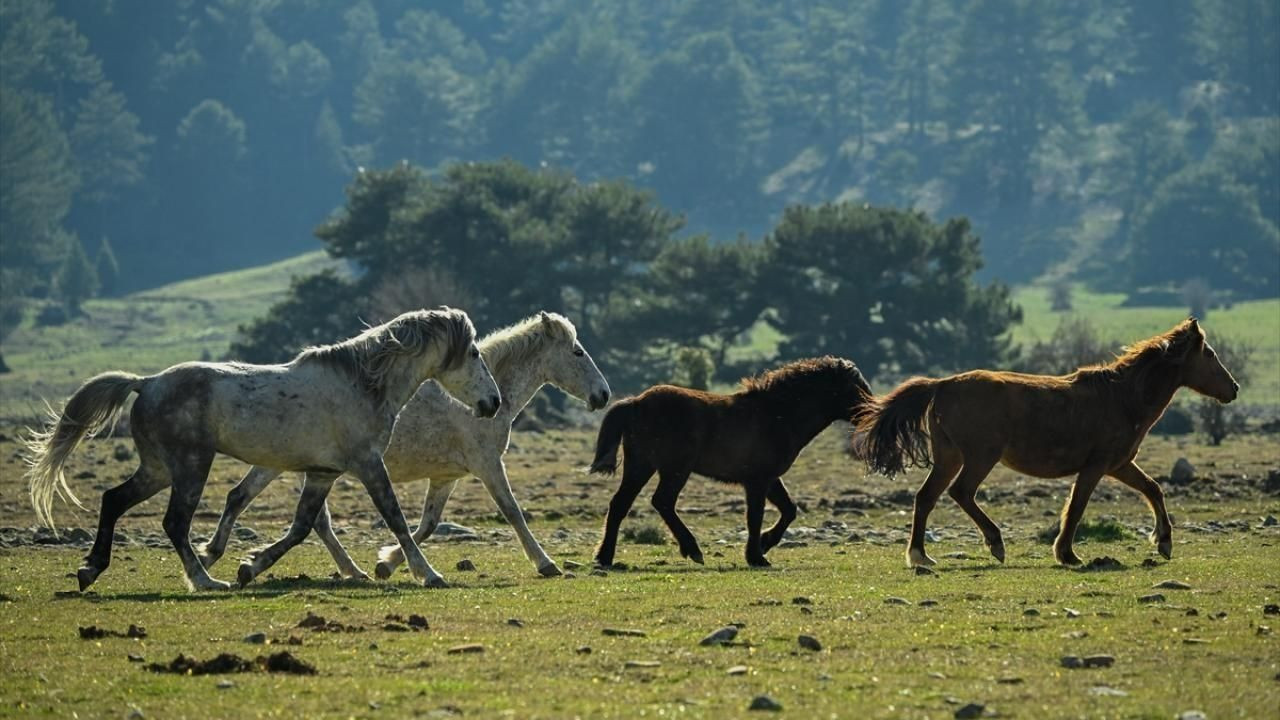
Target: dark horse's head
pixel 837 381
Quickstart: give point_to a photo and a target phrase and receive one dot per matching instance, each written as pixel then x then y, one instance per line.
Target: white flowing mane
pixel 517 343
pixel 369 356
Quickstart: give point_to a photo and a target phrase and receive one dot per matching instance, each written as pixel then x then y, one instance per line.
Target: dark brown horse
pixel 749 438
pixel 1088 424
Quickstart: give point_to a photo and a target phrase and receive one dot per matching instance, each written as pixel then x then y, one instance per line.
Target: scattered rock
pixel 927 602
pixel 136 658
pixel 1152 598
pixel 1107 691
pixel 1009 680
pixel 1098 661
pixel 1192 715
pixel 93 632
pixel 623 632
pixel 395 627
pixel 1183 472
pixel 723 636
pixel 1031 612
pixel 922 570
pixel 896 601
pixel 256 638
pixel 1072 661
pixel 1149 563
pixel 640 664
pixel 970 711
pixel 1070 613
pixel 1194 641
pixel 1172 585
pixel 1103 563
pixel 1271 609
pixel 801 600
pixel 225 684
pixel 809 642
pixel 121 452
pixel 465 565
pixel 418 622
pixel 583 650
pixel 764 702
pixel 737 670
pixel 515 622
pixel 468 649
pixel 1270 521
pixel 281 662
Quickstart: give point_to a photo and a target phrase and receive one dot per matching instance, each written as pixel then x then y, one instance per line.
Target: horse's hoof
pixel 550 570
pixel 997 552
pixel 86 577
pixel 245 574
pixel 1066 557
pixel 759 562
pixel 435 582
pixel 1165 548
pixel 213 585
pixel 383 570
pixel 696 557
pixel 917 557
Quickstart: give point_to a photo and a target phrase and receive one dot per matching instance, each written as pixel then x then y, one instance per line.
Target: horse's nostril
pixel 604 397
pixel 495 402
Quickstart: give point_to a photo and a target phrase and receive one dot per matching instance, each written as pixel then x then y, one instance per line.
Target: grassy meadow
pixel 891 643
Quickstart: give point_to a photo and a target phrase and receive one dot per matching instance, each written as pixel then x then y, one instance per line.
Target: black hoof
pixel 244 575
pixel 86 577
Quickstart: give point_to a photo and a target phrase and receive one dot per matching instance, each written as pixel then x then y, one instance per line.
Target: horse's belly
pixel 1047 461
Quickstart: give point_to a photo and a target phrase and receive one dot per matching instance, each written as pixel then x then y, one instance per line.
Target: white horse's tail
pixel 94 406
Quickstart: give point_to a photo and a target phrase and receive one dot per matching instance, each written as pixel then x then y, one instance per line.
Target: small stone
pixel 256 638
pixel 1192 715
pixel 1270 521
pixel 640 664
pixel 1271 609
pixel 1172 585
pixel 956 555
pixel 1107 691
pixel 136 658
pixel 1264 630
pixel 801 600
pixel 970 711
pixel 723 636
pixel 418 622
pixel 1009 680
pixel 737 670
pixel 764 702
pixel 896 601
pixel 1194 641
pixel 922 570
pixel 1072 661
pixel 622 632
pixel 1097 661
pixel 1149 563
pixel 583 650
pixel 465 565
pixel 468 649
pixel 927 602
pixel 1031 612
pixel 135 713
pixel 809 642
pixel 1152 598
pixel 1192 612
pixel 1183 472
pixel 515 622
pixel 225 684
pixel 1070 613
pixel 937 675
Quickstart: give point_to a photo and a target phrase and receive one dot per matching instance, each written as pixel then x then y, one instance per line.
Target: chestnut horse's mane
pixel 1143 365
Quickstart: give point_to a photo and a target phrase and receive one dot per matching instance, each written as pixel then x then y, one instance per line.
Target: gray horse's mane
pixel 517 342
pixel 370 356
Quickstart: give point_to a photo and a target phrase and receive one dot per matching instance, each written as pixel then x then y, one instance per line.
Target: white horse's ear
pixel 542 315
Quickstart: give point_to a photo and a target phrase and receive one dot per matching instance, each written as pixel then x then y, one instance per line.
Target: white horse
pixel 436 438
pixel 328 411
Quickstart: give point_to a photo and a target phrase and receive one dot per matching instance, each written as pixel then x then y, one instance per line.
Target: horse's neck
pixel 803 421
pixel 518 383
pixel 400 385
pixel 1152 403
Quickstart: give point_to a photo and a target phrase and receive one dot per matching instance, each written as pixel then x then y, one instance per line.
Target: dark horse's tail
pixel 894 427
pixel 610 437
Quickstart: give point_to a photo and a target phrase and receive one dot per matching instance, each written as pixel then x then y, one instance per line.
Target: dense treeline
pixel 888 287
pixel 189 137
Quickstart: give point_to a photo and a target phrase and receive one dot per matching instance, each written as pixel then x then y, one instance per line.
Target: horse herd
pixel 364 407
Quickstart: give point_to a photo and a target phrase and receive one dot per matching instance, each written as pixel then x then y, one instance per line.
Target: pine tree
pixel 77 280
pixel 107 268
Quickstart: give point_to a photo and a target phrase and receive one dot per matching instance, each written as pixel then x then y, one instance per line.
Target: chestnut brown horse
pixel 1088 424
pixel 748 438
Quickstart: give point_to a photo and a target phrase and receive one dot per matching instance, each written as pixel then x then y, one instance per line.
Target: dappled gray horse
pixel 437 438
pixel 328 411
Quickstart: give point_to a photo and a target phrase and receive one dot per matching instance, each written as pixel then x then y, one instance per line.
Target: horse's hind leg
pixel 315 488
pixel 324 528
pixel 390 556
pixel 145 482
pixel 373 474
pixel 635 473
pixel 494 477
pixel 965 491
pixel 1072 511
pixel 670 483
pixel 781 499
pixel 1134 477
pixel 190 468
pixel 257 480
pixel 946 463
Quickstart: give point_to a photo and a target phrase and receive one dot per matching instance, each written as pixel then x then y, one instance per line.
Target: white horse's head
pixel 568 365
pixel 458 367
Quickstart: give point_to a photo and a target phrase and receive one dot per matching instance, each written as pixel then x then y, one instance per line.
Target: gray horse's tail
pixel 610 437
pixel 94 406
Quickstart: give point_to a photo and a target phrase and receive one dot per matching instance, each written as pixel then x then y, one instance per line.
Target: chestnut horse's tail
pixel 94 406
pixel 894 427
pixel 610 437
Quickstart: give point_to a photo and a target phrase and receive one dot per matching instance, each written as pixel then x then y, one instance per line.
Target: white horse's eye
pixel 579 351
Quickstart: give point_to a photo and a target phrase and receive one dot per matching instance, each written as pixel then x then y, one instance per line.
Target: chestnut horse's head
pixel 1202 369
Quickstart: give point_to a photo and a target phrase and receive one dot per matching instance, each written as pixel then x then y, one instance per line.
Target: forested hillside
pixel 145 142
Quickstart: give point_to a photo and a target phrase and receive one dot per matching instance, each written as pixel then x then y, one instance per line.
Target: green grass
pixel 143 332
pixel 1256 322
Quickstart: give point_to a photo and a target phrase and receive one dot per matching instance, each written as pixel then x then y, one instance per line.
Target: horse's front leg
pixel 781 499
pixel 494 477
pixel 390 556
pixel 315 488
pixel 756 489
pixel 1133 476
pixel 373 474
pixel 346 566
pixel 254 482
pixel 1072 511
